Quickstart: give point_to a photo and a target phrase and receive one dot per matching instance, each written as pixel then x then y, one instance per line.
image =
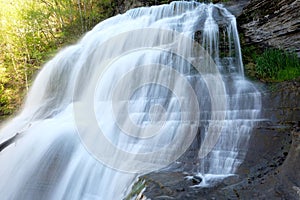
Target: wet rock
pixel 269 23
pixel 9 141
pixel 196 180
pixel 289 178
pixel 271 167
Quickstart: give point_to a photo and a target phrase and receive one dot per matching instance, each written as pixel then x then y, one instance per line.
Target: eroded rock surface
pixel 271 167
pixel 267 23
pixel 272 23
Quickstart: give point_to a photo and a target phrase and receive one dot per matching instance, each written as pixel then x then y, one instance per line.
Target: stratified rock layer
pixel 273 23
pixel 271 167
pixel 267 23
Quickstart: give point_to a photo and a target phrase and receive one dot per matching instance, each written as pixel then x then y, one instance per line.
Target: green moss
pixel 250 53
pixel 136 190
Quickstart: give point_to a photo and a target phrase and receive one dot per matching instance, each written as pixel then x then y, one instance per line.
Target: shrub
pixel 277 65
pixel 31 31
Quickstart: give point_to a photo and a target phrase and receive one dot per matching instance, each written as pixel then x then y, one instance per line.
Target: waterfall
pixel 129 98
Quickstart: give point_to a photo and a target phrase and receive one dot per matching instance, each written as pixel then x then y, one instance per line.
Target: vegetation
pixel 137 190
pixel 270 65
pixel 277 65
pixel 32 31
pixel 249 54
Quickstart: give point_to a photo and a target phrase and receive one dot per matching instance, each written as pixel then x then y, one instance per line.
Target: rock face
pixel 273 23
pixel 271 167
pixel 267 23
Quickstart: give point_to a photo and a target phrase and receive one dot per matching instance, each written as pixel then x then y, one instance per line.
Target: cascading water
pixel 243 101
pixel 129 98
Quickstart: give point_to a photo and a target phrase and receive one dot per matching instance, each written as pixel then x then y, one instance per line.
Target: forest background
pixel 32 31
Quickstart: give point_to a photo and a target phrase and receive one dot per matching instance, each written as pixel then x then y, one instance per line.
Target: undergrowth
pixel 277 65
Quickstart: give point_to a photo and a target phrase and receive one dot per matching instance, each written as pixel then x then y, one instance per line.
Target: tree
pixel 32 31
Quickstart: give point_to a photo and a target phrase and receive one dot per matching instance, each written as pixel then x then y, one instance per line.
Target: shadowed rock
pixel 9 141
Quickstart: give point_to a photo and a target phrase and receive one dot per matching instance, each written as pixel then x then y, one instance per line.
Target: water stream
pixel 129 98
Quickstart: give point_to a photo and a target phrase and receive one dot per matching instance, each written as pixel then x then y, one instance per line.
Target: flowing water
pixel 129 98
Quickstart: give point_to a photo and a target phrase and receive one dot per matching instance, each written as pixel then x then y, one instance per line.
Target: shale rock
pixel 273 23
pixel 271 167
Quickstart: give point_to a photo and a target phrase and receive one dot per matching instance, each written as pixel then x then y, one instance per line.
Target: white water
pixel 52 161
pixel 243 100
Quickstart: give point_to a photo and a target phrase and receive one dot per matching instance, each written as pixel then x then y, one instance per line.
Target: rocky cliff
pixel 271 167
pixel 266 23
pixel 273 23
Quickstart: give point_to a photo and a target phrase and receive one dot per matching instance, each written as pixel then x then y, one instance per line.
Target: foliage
pixel 137 190
pixel 32 31
pixel 277 65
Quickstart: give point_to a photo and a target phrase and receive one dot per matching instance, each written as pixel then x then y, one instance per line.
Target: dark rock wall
pixel 272 23
pixel 272 163
pixel 271 167
pixel 267 23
